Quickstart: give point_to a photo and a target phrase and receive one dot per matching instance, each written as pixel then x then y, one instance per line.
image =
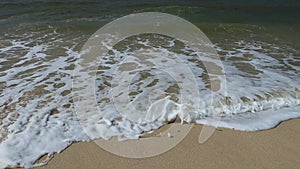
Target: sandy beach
pixel 274 148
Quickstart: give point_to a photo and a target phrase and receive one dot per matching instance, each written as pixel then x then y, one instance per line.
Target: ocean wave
pixel 262 89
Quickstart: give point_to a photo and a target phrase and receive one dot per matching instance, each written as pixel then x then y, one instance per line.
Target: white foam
pixel 254 121
pixel 29 130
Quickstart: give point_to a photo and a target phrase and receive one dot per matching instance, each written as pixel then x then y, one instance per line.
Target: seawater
pixel 40 42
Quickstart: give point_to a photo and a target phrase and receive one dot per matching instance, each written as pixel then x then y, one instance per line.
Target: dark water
pixel 280 17
pixel 203 11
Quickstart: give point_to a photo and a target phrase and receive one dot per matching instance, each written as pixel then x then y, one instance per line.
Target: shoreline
pixel 274 148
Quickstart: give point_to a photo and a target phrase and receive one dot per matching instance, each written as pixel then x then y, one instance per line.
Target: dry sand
pixel 274 148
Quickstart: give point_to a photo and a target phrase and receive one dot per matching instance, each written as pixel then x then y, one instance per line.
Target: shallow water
pixel 40 42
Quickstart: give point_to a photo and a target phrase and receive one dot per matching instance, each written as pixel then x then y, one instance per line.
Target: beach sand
pixel 274 148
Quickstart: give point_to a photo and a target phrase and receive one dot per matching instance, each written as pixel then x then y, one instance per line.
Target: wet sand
pixel 274 148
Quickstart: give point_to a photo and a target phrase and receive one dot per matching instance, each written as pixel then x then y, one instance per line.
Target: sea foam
pixel 37 100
